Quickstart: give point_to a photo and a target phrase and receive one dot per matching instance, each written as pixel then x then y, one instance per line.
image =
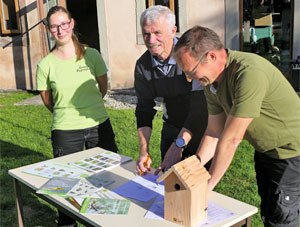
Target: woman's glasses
pixel 64 26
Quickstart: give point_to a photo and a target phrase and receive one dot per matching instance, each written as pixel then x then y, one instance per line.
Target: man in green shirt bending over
pixel 247 97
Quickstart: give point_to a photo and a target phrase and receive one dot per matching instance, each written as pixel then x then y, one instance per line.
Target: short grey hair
pixel 153 13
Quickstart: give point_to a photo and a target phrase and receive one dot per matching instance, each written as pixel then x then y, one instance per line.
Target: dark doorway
pixel 84 13
pixel 267 26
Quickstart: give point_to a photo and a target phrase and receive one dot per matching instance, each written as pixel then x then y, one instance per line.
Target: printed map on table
pixel 101 161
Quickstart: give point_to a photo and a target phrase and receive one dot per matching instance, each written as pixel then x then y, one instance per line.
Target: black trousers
pixel 278 183
pixel 66 142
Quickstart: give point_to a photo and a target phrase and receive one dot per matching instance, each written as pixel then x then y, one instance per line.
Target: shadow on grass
pixel 36 211
pixel 18 126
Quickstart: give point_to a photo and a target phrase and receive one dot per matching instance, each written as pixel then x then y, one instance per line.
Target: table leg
pixel 248 222
pixel 244 223
pixel 19 204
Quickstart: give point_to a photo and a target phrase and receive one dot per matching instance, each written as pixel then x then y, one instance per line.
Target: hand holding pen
pixel 143 164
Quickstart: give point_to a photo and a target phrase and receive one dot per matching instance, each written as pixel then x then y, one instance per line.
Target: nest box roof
pixel 189 171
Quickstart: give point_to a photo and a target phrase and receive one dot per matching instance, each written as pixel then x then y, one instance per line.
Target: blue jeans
pixel 66 142
pixel 278 183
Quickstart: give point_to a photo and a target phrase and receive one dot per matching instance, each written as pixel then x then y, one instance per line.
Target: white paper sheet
pixel 215 213
pixel 142 188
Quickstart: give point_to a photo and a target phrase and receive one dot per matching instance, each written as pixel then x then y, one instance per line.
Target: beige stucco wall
pixel 122 45
pixel 18 61
pixel 209 14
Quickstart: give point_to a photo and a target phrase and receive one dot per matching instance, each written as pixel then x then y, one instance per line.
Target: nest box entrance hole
pixel 177 187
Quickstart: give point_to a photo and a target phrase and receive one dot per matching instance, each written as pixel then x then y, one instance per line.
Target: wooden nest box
pixel 185 192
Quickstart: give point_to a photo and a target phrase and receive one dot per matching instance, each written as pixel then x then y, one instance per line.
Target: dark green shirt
pixel 252 87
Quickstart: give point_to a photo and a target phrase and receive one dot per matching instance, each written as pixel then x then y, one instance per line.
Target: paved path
pixel 35 100
pixel 115 101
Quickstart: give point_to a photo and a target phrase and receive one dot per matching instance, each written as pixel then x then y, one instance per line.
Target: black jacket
pixel 185 108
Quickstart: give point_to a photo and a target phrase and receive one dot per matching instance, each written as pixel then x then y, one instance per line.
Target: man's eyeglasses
pixel 64 26
pixel 191 73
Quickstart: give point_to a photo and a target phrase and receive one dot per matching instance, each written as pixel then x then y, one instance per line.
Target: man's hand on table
pixel 172 157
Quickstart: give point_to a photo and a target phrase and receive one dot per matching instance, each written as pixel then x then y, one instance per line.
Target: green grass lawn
pixel 25 139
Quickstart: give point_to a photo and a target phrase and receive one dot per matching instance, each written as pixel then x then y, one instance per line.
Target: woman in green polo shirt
pixel 72 80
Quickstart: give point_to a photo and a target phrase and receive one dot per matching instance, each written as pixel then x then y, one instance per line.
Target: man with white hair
pixel 157 75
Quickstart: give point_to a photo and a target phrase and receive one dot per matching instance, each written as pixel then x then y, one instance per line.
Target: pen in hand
pixel 145 164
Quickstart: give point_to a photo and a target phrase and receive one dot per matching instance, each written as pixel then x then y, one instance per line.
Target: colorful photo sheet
pixel 50 169
pixel 101 193
pixel 89 184
pixel 81 189
pixel 58 185
pixel 142 188
pixel 105 206
pixel 101 161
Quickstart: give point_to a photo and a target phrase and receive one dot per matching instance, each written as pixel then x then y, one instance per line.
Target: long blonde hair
pixel 79 47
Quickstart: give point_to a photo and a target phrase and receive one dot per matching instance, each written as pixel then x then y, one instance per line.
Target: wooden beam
pixel 241 24
pixel 43 31
pixel 151 3
pixel 172 6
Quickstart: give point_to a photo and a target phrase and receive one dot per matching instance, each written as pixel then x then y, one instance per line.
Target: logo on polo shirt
pixel 83 68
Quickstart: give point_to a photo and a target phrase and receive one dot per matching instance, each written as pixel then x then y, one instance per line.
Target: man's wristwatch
pixel 180 142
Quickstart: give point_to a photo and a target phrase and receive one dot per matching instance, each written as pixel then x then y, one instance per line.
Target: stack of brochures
pixel 80 186
pixel 88 194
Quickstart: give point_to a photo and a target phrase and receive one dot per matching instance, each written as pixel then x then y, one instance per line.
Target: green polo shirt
pixel 78 102
pixel 251 87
